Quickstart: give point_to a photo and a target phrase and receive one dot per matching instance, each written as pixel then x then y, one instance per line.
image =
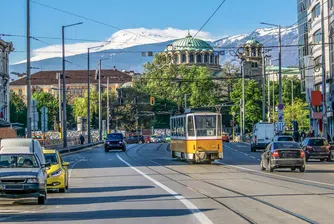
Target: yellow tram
pixel 196 136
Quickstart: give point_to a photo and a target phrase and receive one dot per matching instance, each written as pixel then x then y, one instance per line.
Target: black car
pixel 135 139
pixel 283 154
pixel 114 141
pixel 316 148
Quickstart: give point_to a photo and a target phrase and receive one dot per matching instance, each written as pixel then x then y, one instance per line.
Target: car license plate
pixel 12 187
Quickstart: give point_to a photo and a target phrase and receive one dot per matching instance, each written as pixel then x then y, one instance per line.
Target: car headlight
pixel 120 142
pixel 56 173
pixel 32 181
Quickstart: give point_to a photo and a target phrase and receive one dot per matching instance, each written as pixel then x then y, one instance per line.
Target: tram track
pixel 243 216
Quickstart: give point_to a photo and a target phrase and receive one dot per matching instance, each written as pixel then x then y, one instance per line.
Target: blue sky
pixel 234 17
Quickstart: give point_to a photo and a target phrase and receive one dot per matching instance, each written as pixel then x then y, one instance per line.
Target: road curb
pixel 75 149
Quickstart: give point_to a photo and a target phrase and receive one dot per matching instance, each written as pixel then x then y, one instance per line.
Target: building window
pixel 317 36
pixel 331 47
pixel 191 58
pixel 211 59
pixel 253 52
pixel 330 4
pixel 316 11
pixel 176 59
pixel 254 65
pixel 206 58
pixel 216 60
pixel 20 92
pixel 199 58
pixel 184 58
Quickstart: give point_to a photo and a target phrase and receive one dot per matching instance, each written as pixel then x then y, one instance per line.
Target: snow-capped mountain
pixel 124 48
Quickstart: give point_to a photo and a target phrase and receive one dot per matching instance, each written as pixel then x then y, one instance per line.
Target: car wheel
pixel 41 200
pixel 261 165
pixel 293 169
pixel 306 158
pixel 302 169
pixel 106 150
pixel 140 142
pixel 124 149
pixel 321 160
pixel 271 169
pixel 62 190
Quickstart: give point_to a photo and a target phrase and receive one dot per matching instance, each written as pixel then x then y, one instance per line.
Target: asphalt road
pixel 144 185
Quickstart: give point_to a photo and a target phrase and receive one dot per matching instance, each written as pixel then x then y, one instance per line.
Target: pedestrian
pixel 82 139
pixel 312 133
pixel 302 135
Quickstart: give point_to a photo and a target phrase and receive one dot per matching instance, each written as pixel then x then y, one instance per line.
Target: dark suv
pixel 114 141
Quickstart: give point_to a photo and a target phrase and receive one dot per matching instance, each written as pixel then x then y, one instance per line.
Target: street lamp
pixel 279 60
pixel 88 91
pixel 64 83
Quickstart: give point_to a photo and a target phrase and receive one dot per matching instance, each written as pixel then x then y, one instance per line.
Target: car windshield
pixel 286 145
pixel 18 161
pixel 317 142
pixel 51 158
pixel 285 138
pixel 115 136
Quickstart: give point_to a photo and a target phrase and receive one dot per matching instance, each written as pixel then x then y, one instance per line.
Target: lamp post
pixel 279 61
pixel 64 131
pixel 88 92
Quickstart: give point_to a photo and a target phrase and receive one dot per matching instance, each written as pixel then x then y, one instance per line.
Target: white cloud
pixel 119 40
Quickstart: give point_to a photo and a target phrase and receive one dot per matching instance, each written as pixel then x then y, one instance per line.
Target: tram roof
pixel 198 110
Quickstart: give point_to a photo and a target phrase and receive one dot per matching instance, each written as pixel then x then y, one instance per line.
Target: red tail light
pixel 309 148
pixel 328 147
pixel 275 154
pixel 255 138
pixel 302 154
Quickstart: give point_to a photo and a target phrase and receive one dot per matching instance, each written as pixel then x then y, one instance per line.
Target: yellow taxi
pixel 57 172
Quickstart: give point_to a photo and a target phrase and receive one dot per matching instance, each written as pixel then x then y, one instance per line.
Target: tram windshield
pixel 206 125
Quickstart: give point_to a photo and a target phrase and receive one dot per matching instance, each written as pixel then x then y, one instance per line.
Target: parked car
pixel 316 148
pixel 115 141
pixel 22 173
pixel 285 138
pixel 135 139
pixel 283 154
pixel 225 137
pixel 57 172
pixel 147 139
pixel 262 135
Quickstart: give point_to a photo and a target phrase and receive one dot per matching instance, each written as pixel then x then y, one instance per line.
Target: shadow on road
pixel 107 189
pixel 100 214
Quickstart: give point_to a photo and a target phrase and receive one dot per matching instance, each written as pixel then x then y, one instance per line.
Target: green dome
pixel 252 41
pixel 189 43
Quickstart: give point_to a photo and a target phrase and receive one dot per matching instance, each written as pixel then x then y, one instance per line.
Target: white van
pixel 22 170
pixel 263 133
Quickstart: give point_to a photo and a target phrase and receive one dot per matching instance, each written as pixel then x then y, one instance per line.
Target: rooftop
pixel 189 43
pixel 74 77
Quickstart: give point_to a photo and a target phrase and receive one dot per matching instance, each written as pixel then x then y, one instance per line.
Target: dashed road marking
pixel 252 157
pixel 201 217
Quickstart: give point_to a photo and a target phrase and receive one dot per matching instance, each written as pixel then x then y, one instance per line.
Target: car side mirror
pixel 66 163
pixel 46 165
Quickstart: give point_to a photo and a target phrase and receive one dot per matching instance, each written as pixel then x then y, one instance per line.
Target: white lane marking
pixel 74 164
pixel 252 157
pixel 245 154
pixel 291 178
pixel 202 218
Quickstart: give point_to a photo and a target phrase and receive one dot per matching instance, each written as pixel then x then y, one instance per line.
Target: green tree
pixel 298 113
pixel 47 100
pixel 253 101
pixel 18 109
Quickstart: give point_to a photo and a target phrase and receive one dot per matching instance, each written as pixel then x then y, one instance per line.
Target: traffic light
pixel 152 100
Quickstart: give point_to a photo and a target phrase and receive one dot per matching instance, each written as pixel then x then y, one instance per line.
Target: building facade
pixel 252 55
pixel 311 32
pixel 76 82
pixel 5 49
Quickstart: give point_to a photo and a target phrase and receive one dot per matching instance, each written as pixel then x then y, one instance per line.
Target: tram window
pixel 191 130
pixel 206 125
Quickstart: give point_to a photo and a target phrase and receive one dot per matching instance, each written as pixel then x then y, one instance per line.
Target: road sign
pixel 280 106
pixel 280 126
pixel 280 115
pixel 44 119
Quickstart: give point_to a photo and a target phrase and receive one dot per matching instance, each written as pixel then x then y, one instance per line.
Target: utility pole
pixel 324 108
pixel 100 111
pixel 269 99
pixel 59 103
pixel 64 90
pixel 88 99
pixel 292 92
pixel 240 116
pixel 263 86
pixel 185 101
pixel 280 65
pixel 243 100
pixel 28 73
pixel 108 109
